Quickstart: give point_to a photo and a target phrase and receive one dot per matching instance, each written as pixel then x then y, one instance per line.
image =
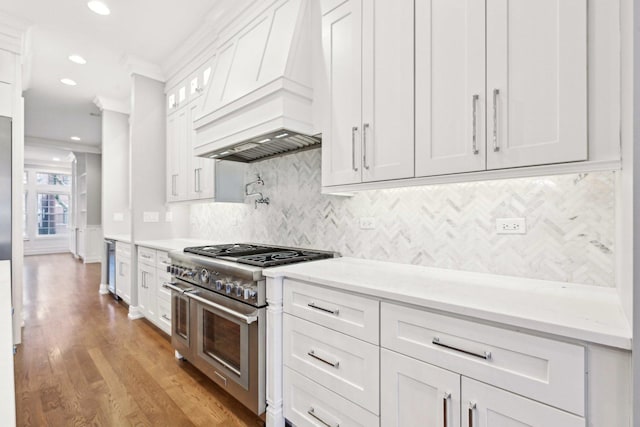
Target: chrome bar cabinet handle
pixel 496 146
pixel 445 409
pixel 364 145
pixel 353 148
pixel 475 123
pixel 312 412
pixel 326 310
pixel 486 355
pixel 323 360
pixel 472 407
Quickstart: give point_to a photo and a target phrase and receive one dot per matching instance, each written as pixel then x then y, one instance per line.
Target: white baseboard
pixel 104 289
pixel 134 313
pixel 45 251
pixel 92 260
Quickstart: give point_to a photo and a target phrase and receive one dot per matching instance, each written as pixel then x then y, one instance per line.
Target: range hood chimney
pixel 260 100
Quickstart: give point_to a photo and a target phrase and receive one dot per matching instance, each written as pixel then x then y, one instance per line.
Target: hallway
pixel 83 362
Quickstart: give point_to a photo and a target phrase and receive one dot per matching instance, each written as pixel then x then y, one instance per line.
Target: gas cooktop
pixel 259 255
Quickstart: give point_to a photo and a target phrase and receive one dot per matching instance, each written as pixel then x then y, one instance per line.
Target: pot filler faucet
pixel 261 199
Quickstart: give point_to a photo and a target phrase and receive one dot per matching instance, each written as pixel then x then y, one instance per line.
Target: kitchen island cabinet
pixel 468 342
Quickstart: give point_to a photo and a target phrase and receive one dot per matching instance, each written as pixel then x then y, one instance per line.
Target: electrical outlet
pixel 367 223
pixel 168 217
pixel 511 226
pixel 150 216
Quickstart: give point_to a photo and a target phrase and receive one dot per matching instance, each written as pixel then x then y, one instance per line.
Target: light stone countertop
pixel 587 313
pixel 173 244
pixel 124 238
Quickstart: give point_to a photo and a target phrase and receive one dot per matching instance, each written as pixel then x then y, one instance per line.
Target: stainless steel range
pixel 218 312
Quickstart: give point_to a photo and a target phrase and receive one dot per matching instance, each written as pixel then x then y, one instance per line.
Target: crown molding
pixel 111 104
pixel 12 33
pixel 62 145
pixel 144 68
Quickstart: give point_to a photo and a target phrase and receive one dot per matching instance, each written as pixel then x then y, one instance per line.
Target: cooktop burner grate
pixel 238 249
pixel 281 257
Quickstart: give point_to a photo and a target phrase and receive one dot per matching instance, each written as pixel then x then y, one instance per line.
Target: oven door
pixel 180 318
pixel 230 345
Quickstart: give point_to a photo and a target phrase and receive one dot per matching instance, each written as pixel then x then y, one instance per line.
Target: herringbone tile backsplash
pixel 570 222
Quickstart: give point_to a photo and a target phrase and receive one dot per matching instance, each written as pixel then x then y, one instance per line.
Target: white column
pixel 275 415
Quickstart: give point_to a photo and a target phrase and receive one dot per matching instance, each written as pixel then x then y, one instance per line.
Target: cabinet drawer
pixel 308 404
pixel 345 365
pixel 164 315
pixel 351 314
pixel 162 260
pixel 549 371
pixel 147 256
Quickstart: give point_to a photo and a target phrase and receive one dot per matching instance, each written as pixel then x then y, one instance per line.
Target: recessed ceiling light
pixel 77 59
pixel 282 135
pixel 264 140
pixel 98 7
pixel 56 159
pixel 75 138
pixel 68 82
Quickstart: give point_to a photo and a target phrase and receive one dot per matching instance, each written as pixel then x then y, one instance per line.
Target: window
pixel 43 178
pixel 53 213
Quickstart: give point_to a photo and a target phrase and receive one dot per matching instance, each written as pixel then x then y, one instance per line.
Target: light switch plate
pixel 367 223
pixel 118 217
pixel 168 217
pixel 150 217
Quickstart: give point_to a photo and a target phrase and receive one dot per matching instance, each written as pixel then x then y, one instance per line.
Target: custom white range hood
pixel 259 102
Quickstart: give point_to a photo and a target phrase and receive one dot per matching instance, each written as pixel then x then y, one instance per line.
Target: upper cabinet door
pixel 388 90
pixel 342 46
pixel 450 86
pixel 536 82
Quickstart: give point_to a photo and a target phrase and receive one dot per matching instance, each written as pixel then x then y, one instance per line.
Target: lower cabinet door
pixel 414 393
pixel 487 406
pixel 306 403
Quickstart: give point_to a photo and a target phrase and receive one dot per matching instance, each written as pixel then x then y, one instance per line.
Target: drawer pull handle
pixel 326 310
pixel 332 364
pixel 312 412
pixel 486 355
pixel 472 407
pixel 445 409
pixel 164 316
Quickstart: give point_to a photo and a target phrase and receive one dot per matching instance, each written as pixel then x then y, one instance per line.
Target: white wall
pixel 116 212
pixel 148 164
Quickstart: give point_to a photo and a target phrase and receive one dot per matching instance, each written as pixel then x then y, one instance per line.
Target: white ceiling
pixel 149 30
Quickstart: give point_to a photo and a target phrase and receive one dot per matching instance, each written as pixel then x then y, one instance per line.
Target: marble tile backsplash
pixel 569 219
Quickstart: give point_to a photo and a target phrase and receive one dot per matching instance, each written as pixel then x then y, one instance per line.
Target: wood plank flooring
pixel 84 363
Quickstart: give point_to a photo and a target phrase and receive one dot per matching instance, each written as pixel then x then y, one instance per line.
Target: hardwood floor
pixel 84 363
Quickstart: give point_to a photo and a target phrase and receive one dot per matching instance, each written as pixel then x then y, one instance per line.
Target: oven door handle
pixel 172 287
pixel 249 319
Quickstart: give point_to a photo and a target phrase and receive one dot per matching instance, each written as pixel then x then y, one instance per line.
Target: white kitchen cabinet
pixel 176 156
pixel 450 87
pixel 417 394
pixel 197 178
pixel 369 129
pixel 487 406
pixel 147 289
pixel 123 271
pixel 154 302
pixel 536 82
pixel 200 176
pixel 534 108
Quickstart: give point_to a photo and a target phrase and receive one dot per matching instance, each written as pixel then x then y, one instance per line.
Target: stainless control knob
pixel 228 287
pixel 169 269
pixel 219 285
pixel 239 291
pixel 249 293
pixel 204 275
